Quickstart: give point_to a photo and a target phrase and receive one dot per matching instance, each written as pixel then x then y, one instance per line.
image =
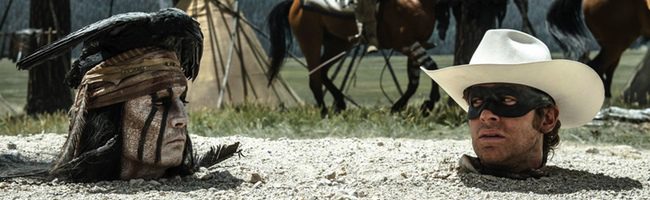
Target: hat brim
pixel 576 88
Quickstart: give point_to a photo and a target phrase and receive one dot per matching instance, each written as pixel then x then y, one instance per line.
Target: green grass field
pixel 364 85
pixel 369 120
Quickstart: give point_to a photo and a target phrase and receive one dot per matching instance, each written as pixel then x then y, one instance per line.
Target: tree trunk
pixel 473 19
pixel 638 89
pixel 46 91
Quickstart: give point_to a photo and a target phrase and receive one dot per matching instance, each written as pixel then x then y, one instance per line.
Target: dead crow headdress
pixel 123 57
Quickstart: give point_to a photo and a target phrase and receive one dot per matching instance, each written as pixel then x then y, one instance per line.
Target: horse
pixel 401 23
pixel 615 24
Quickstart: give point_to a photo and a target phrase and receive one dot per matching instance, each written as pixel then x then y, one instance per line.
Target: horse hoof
pixel 323 113
pixel 426 108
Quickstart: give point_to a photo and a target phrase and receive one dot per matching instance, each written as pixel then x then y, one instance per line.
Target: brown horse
pixel 615 24
pixel 400 24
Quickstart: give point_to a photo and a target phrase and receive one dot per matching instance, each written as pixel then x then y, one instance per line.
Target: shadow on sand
pixel 15 166
pixel 559 181
pixel 221 180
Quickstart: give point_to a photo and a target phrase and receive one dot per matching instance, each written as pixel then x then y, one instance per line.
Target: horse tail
pixel 567 26
pixel 280 35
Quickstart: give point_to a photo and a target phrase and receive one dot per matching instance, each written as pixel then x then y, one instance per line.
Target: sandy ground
pixel 336 168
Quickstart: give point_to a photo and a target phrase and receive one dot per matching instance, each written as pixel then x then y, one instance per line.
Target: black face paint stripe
pixel 184 94
pixel 163 125
pixel 145 128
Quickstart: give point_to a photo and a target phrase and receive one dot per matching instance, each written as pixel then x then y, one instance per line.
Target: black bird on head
pixel 168 28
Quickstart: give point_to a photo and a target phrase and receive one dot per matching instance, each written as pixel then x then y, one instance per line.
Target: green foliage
pixel 445 122
pixel 305 122
pixel 42 123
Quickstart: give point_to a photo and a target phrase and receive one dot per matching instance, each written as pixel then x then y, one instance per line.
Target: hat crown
pixel 504 46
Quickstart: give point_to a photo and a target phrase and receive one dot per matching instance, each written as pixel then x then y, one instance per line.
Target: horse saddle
pixel 338 8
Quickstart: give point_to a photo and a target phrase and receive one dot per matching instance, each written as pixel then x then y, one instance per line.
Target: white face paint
pixel 145 118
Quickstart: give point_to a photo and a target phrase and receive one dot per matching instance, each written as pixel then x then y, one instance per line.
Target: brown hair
pixel 551 139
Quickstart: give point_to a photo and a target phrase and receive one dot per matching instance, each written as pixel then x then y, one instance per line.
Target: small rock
pixel 136 181
pixel 344 197
pixel 403 174
pixel 323 182
pixel 342 172
pixel 257 185
pixel 441 175
pixel 96 189
pixel 360 194
pixel 203 169
pixel 153 182
pixel 220 193
pixel 255 177
pixel 203 175
pixel 398 144
pixel 11 146
pixel 592 151
pixel 331 176
pixel 381 144
pixel 3 185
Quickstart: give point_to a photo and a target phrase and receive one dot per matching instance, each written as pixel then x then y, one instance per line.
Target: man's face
pixel 510 142
pixel 155 128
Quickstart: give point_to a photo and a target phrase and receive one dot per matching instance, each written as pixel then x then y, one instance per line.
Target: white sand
pixel 334 168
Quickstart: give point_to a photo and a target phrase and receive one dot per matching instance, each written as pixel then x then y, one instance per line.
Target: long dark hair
pixel 100 150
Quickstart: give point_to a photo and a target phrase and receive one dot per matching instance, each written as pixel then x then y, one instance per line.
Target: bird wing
pixel 193 50
pixel 106 26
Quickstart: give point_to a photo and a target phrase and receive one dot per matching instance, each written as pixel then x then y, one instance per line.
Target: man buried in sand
pixel 129 120
pixel 516 98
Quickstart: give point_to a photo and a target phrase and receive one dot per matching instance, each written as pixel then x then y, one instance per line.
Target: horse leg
pixel 605 63
pixel 527 27
pixel 316 80
pixel 609 76
pixel 339 102
pixel 434 96
pixel 332 47
pixel 316 86
pixel 311 51
pixel 413 72
pixel 307 29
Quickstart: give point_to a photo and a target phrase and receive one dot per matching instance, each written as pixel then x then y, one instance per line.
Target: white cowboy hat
pixel 510 56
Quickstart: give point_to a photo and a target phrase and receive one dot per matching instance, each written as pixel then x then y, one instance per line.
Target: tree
pixel 46 91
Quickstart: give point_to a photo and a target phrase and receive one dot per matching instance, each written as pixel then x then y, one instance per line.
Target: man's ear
pixel 550 119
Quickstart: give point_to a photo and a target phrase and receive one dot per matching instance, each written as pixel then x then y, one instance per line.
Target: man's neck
pixel 532 160
pixel 134 169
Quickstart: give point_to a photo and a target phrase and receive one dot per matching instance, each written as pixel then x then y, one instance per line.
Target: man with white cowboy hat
pixel 516 96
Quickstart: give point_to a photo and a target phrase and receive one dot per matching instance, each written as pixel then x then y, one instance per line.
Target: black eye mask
pixel 494 99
